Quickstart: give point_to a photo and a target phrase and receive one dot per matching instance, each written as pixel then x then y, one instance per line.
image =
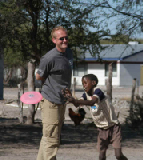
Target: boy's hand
pixel 71 99
pixel 66 93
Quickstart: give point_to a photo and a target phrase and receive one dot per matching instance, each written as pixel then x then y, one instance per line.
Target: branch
pixel 125 13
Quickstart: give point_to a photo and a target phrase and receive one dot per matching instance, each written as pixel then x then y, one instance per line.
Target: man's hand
pixel 40 78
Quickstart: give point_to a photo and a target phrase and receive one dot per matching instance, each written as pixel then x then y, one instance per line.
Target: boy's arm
pixel 67 94
pixel 83 102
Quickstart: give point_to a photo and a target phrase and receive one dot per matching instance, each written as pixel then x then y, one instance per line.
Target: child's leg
pixel 116 142
pixel 102 143
pixel 119 155
pixel 102 155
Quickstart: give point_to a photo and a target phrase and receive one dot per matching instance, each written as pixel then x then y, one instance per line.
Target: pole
pixel 132 98
pixel 20 106
pixel 74 86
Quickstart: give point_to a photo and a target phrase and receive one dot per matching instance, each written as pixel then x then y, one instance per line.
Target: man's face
pixel 61 40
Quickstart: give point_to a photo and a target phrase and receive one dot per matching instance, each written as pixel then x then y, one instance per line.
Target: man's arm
pixel 39 78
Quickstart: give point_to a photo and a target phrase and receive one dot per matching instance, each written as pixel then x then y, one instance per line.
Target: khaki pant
pixel 52 119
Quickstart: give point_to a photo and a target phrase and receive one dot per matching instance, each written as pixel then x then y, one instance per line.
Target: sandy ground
pixel 21 141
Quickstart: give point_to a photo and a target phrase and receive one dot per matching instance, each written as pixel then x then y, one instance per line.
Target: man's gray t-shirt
pixel 56 68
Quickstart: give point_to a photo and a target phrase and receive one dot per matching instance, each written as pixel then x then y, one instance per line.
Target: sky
pixel 114 21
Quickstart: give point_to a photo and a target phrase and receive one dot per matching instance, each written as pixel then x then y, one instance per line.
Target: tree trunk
pixel 8 76
pixel 31 78
pixel 24 73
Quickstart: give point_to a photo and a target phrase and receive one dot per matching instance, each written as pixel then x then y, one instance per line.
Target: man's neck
pixel 61 50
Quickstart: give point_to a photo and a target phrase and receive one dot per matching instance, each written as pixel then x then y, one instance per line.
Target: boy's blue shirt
pixel 97 92
pixel 102 112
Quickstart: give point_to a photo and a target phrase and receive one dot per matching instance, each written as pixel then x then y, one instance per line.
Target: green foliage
pixel 26 25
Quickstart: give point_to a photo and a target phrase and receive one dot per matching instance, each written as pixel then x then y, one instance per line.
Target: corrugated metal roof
pixel 116 51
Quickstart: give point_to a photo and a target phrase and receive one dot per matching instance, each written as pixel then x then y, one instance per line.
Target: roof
pixel 116 51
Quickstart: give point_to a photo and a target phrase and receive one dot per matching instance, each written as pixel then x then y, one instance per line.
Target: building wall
pixel 135 58
pixel 99 71
pixel 78 80
pixel 16 73
pixel 128 73
pixel 131 70
pixel 141 75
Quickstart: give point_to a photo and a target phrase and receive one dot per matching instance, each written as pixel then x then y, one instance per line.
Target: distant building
pixel 1 73
pixel 127 65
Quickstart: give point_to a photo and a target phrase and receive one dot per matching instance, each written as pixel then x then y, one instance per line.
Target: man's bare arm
pixel 39 78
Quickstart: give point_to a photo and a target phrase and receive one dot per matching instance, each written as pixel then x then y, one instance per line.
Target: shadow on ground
pixel 11 132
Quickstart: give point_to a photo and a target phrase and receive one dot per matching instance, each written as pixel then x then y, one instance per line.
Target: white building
pixel 127 65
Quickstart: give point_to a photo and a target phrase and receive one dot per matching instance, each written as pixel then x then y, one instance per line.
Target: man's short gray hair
pixel 56 29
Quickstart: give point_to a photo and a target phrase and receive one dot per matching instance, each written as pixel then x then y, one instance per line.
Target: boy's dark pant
pixel 108 136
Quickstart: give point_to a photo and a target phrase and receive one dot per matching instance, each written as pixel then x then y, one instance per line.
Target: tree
pixel 126 16
pixel 10 29
pixel 29 23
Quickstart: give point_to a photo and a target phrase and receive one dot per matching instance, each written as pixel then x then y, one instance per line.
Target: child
pixel 103 115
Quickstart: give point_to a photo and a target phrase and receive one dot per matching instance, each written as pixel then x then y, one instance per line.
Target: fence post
pixel 132 98
pixel 74 86
pixel 20 106
pixel 138 87
pixel 109 83
pixel 37 105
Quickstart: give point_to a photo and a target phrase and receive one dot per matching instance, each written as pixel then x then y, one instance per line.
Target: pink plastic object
pixel 31 97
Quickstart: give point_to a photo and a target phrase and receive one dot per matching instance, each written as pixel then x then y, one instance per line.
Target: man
pixel 55 71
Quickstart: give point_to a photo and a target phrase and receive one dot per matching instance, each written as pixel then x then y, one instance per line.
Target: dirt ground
pixel 21 141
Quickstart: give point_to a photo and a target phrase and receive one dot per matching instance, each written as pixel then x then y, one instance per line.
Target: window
pixel 114 70
pixel 79 69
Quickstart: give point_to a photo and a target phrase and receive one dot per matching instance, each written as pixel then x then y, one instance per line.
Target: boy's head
pixel 89 81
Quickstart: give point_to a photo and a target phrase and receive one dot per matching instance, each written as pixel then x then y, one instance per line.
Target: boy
pixel 103 115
